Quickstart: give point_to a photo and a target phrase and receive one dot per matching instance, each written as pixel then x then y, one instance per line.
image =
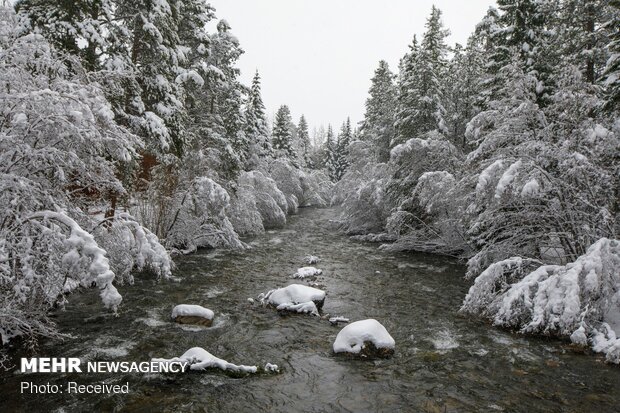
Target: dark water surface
pixel 443 362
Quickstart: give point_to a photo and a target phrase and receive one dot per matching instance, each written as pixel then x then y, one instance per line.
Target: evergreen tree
pixel 341 160
pixel 282 137
pixel 378 124
pixel 304 141
pixel 421 83
pixel 408 95
pixel 461 92
pixel 611 77
pixel 256 120
pixel 331 156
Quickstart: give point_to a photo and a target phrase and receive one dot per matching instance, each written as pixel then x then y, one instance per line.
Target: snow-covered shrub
pixel 580 300
pixel 60 152
pixel 197 217
pixel 361 192
pixel 243 212
pixel 270 201
pixel 132 247
pixel 300 188
pixel 316 188
pixel 287 178
pixel 545 183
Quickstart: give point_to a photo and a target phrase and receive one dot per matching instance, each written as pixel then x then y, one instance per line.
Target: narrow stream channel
pixel 443 362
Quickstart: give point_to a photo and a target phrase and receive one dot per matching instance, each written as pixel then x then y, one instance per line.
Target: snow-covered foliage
pixel 580 300
pixel 61 152
pixel 198 218
pixel 263 192
pixel 356 337
pixel 200 359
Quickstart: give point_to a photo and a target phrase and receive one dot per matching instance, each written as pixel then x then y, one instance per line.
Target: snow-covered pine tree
pixel 521 31
pixel 408 95
pixel 420 96
pixel 461 93
pixel 282 137
pixel 377 127
pixel 342 149
pixel 304 141
pixel 256 121
pixel 611 76
pixel 331 155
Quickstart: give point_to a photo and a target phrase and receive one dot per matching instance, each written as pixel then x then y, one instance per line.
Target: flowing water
pixel 443 361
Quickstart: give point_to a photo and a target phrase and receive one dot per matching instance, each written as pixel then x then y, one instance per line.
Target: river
pixel 443 362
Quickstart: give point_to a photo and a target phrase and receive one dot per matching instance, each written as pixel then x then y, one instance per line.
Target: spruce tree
pixel 611 76
pixel 342 149
pixel 331 155
pixel 282 137
pixel 420 99
pixel 304 141
pixel 256 120
pixel 408 95
pixel 378 125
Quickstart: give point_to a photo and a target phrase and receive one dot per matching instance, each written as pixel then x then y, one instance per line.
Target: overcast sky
pixel 317 56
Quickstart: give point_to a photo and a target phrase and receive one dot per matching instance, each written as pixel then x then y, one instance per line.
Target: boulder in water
pixel 290 297
pixel 365 338
pixel 192 314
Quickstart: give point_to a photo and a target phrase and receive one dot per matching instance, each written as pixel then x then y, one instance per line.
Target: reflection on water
pixel 443 362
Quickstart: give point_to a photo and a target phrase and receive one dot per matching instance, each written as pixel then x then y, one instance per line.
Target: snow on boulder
pixel 292 295
pixel 200 359
pixel 311 259
pixel 579 300
pixel 306 272
pixel 192 314
pixel 365 338
pixel 306 308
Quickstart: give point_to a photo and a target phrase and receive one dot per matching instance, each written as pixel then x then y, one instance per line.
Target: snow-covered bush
pixel 361 192
pixel 270 201
pixel 132 247
pixel 196 217
pixel 243 212
pixel 580 300
pixel 300 188
pixel 60 152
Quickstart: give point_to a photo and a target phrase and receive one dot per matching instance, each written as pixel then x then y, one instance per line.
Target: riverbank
pixel 443 361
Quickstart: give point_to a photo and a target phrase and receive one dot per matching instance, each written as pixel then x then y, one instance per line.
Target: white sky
pixel 317 56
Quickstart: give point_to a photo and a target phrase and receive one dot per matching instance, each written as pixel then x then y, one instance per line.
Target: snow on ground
pixel 354 337
pixel 200 359
pixel 191 310
pixel 305 272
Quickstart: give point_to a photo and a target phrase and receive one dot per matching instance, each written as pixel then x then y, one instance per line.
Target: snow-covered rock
pixel 311 259
pixel 338 319
pixel 305 272
pixel 365 338
pixel 291 296
pixel 306 308
pixel 192 314
pixel 200 359
pixel 580 300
